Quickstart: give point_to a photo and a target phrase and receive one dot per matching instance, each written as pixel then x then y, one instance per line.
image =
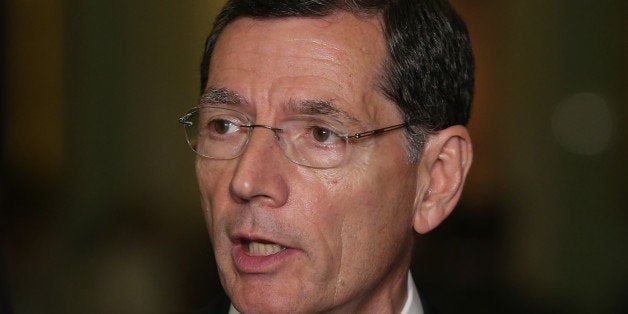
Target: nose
pixel 261 172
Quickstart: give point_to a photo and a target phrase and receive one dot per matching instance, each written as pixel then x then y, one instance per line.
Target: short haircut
pixel 429 68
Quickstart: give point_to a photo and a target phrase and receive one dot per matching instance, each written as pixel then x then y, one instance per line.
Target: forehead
pixel 338 36
pixel 340 54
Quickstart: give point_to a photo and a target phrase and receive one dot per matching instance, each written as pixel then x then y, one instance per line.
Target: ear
pixel 443 168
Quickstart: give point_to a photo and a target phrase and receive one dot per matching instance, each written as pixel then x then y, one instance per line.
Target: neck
pixel 388 296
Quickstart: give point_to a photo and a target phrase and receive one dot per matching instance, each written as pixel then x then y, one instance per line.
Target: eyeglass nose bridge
pixel 268 127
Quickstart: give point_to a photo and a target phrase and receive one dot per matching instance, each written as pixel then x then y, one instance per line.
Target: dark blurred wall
pixel 542 226
pixel 5 297
pixel 100 211
pixel 551 147
pixel 565 148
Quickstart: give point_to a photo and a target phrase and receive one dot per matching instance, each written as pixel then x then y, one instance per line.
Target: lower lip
pixel 247 264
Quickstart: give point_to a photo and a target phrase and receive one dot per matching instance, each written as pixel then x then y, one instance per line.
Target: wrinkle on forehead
pixel 303 58
pixel 321 38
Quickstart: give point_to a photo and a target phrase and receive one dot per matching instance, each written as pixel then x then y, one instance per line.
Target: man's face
pixel 297 239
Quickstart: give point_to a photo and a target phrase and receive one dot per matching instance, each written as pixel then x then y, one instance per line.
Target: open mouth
pixel 261 248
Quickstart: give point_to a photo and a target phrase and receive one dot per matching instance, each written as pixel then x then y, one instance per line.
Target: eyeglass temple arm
pixel 358 136
pixel 185 119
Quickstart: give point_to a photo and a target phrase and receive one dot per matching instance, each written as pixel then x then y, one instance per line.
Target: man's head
pixel 293 233
pixel 428 68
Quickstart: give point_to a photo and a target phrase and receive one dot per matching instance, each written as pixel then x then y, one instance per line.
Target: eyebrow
pixel 321 107
pixel 220 95
pixel 225 96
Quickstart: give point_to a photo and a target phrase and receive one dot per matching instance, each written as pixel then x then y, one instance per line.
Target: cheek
pixel 213 186
pixel 374 215
pixel 319 202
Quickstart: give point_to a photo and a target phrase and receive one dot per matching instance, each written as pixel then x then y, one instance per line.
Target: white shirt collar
pixel 413 302
pixel 412 305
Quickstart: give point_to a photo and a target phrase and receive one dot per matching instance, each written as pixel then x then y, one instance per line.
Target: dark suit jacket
pixel 220 305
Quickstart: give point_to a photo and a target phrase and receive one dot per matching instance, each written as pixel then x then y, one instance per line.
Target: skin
pixel 348 230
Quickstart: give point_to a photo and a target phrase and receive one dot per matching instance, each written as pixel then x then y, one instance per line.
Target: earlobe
pixel 444 165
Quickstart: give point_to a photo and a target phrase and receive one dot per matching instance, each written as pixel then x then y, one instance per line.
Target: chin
pixel 267 304
pixel 269 300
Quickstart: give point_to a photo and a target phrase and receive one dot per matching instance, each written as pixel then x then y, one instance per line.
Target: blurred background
pixel 100 211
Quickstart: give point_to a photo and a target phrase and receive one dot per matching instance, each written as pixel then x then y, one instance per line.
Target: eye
pixel 222 126
pixel 321 134
pixel 313 133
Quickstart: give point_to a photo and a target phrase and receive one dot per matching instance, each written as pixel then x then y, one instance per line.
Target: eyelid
pixel 232 101
pixel 225 106
pixel 324 121
pixel 228 114
pixel 235 120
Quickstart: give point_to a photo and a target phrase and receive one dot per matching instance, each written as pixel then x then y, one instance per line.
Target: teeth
pixel 264 249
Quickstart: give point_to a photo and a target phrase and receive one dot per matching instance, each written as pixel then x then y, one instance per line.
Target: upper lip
pixel 245 238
